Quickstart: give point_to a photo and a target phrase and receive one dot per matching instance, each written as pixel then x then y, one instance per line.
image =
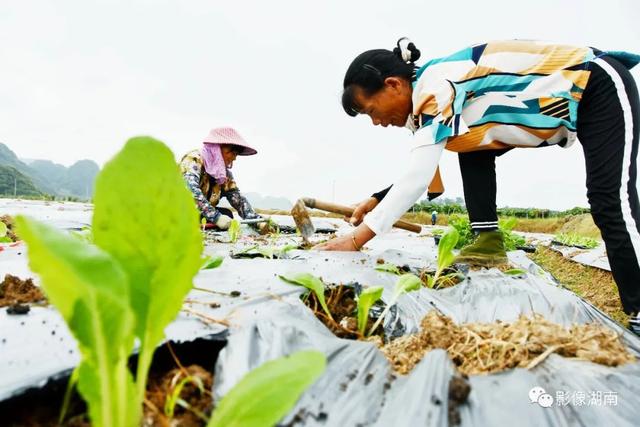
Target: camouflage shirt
pixel 207 193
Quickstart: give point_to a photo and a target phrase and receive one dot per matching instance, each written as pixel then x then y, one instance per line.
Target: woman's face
pixel 391 105
pixel 229 154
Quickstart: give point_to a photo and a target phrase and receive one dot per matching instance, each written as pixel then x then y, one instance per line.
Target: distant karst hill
pixel 45 177
pixel 15 183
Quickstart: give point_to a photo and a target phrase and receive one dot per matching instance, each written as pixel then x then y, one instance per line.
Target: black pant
pixel 608 127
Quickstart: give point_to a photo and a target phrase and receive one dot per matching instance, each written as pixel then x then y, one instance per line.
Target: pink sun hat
pixel 228 135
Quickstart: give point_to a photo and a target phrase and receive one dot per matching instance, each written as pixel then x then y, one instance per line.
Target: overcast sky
pixel 80 77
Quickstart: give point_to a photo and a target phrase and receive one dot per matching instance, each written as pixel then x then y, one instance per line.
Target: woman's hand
pixel 349 243
pixel 361 209
pixel 343 243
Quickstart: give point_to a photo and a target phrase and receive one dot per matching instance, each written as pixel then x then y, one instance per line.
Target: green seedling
pixel 406 283
pixel 515 272
pixel 68 394
pixel 571 239
pixel 255 402
pixel 366 299
pixel 446 256
pixel 266 251
pixel 389 268
pixel 274 251
pixel 269 252
pixel 287 248
pixel 90 290
pixel 247 250
pixel 209 262
pixel 3 233
pixel 130 283
pixel 273 227
pixel 174 398
pixel 235 231
pixel 312 283
pixel 203 224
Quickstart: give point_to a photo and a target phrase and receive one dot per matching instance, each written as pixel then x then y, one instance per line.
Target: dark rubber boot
pixel 486 251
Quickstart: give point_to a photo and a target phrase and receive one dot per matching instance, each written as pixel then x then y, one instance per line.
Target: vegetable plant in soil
pixel 344 309
pixel 445 259
pixel 235 231
pixel 264 251
pixel 129 283
pixel 406 283
pixel 435 279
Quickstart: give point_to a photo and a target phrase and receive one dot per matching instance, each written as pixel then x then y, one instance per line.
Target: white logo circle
pixel 545 400
pixel 535 393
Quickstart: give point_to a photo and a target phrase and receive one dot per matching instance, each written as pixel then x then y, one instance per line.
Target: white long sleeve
pixel 406 191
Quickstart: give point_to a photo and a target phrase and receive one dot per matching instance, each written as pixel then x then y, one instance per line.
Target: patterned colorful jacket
pixel 207 193
pixel 502 94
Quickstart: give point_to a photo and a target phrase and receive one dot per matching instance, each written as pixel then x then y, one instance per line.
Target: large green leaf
pixel 146 219
pixel 268 393
pixel 312 283
pixel 90 290
pixel 366 299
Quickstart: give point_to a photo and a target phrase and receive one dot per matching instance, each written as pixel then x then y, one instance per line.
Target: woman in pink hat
pixel 208 176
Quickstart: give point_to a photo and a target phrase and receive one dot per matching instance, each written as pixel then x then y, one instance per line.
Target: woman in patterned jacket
pixel 487 99
pixel 207 172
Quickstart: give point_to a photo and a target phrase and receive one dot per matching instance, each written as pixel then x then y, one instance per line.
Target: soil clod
pixel 14 290
pixel 459 389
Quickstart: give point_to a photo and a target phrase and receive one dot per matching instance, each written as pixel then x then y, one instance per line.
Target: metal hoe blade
pixel 303 220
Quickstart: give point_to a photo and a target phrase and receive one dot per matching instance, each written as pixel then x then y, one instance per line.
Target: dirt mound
pixel 14 290
pixel 483 348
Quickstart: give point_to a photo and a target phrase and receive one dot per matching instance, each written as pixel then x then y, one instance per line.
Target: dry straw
pixel 483 348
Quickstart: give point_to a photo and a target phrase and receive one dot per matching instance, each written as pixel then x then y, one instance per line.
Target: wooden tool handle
pixel 345 210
